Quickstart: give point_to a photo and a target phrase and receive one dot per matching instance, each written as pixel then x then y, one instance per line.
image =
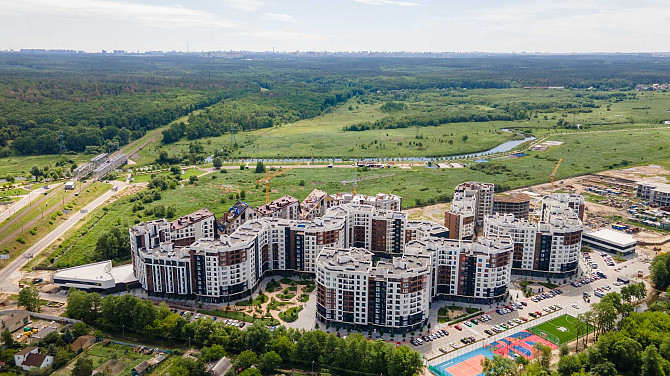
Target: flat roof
pixel 612 236
pixel 99 271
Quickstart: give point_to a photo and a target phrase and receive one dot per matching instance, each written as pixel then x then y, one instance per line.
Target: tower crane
pixel 266 181
pixel 553 173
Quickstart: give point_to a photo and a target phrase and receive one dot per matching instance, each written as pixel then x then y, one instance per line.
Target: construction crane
pixel 267 180
pixel 553 173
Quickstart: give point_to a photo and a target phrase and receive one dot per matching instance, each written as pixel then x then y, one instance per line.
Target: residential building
pixel 483 196
pixel 653 192
pixel 461 218
pixel 285 207
pixel 237 215
pixel 197 225
pixel 30 357
pixel 470 271
pixel 381 201
pixel 425 229
pixel 556 200
pixel 514 203
pixel 547 249
pixel 394 294
pixel 316 204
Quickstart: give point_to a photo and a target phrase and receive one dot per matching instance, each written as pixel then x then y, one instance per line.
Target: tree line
pixel 257 345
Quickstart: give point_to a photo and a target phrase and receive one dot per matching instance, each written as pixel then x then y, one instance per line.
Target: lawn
pixel 125 358
pixel 556 335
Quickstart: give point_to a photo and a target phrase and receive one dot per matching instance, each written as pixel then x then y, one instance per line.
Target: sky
pixel 338 25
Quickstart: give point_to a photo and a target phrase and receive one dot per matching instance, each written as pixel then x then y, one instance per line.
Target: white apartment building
pixel 560 200
pixel 483 195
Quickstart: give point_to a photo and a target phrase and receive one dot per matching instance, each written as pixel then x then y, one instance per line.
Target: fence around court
pixel 432 362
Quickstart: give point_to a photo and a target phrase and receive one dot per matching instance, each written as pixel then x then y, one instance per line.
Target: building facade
pixel 514 203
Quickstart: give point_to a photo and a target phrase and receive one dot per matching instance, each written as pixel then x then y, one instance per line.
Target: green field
pixel 558 336
pixel 323 136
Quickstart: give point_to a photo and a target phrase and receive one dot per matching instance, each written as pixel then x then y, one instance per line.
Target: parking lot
pixel 571 300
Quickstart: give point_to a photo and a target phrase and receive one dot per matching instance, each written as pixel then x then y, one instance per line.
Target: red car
pixel 458 327
pixel 538 313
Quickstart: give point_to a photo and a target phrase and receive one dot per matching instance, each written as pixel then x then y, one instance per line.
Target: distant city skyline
pixel 544 26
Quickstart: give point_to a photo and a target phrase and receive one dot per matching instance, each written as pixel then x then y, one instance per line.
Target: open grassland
pixel 323 136
pixel 582 153
pixel 45 223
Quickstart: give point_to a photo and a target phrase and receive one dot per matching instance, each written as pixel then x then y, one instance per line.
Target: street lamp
pixel 312 367
pixel 123 328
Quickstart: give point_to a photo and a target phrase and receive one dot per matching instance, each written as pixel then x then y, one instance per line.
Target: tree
pixel 192 179
pixel 260 167
pixel 246 359
pixel 213 353
pixel 564 350
pixel 651 362
pixel 268 362
pixel 404 362
pixel 659 270
pixel 80 329
pixel 36 171
pixel 498 366
pixel 83 367
pixel 567 365
pixel 217 162
pixel 29 298
pixel 283 346
pixel 7 339
pixel 250 372
pixel 258 335
pixel 113 244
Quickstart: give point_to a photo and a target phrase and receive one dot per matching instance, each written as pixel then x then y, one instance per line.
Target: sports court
pixel 464 365
pixel 559 330
pixel 512 346
pixel 521 343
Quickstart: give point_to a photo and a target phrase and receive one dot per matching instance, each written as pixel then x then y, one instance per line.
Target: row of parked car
pixel 546 295
pixel 429 337
pixel 195 316
pixel 511 308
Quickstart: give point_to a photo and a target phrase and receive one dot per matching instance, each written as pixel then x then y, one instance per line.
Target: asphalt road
pixel 25 200
pixel 10 273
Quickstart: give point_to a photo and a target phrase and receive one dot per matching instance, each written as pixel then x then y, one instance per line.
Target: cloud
pixel 281 17
pixel 146 14
pixel 389 2
pixel 245 5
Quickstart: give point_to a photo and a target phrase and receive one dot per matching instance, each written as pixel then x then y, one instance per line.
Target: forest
pixel 90 103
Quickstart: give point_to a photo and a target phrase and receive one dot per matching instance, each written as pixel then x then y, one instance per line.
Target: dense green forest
pixel 103 102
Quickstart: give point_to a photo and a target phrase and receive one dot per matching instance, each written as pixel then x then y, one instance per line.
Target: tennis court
pixel 469 364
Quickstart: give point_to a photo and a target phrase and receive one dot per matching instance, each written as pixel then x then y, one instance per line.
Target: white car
pixel 575 306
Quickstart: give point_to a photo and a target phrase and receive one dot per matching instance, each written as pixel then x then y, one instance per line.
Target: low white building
pixel 99 276
pixel 611 241
pixel 30 357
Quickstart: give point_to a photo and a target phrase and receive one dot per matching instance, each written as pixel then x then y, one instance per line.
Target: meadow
pixel 324 135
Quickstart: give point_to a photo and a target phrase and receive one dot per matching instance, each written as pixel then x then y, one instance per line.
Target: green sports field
pixel 555 335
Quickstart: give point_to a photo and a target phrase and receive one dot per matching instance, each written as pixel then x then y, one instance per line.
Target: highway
pixel 10 273
pixel 25 200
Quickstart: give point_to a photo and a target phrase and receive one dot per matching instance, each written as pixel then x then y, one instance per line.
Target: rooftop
pixel 99 271
pixel 276 205
pixel 612 236
pixel 190 219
